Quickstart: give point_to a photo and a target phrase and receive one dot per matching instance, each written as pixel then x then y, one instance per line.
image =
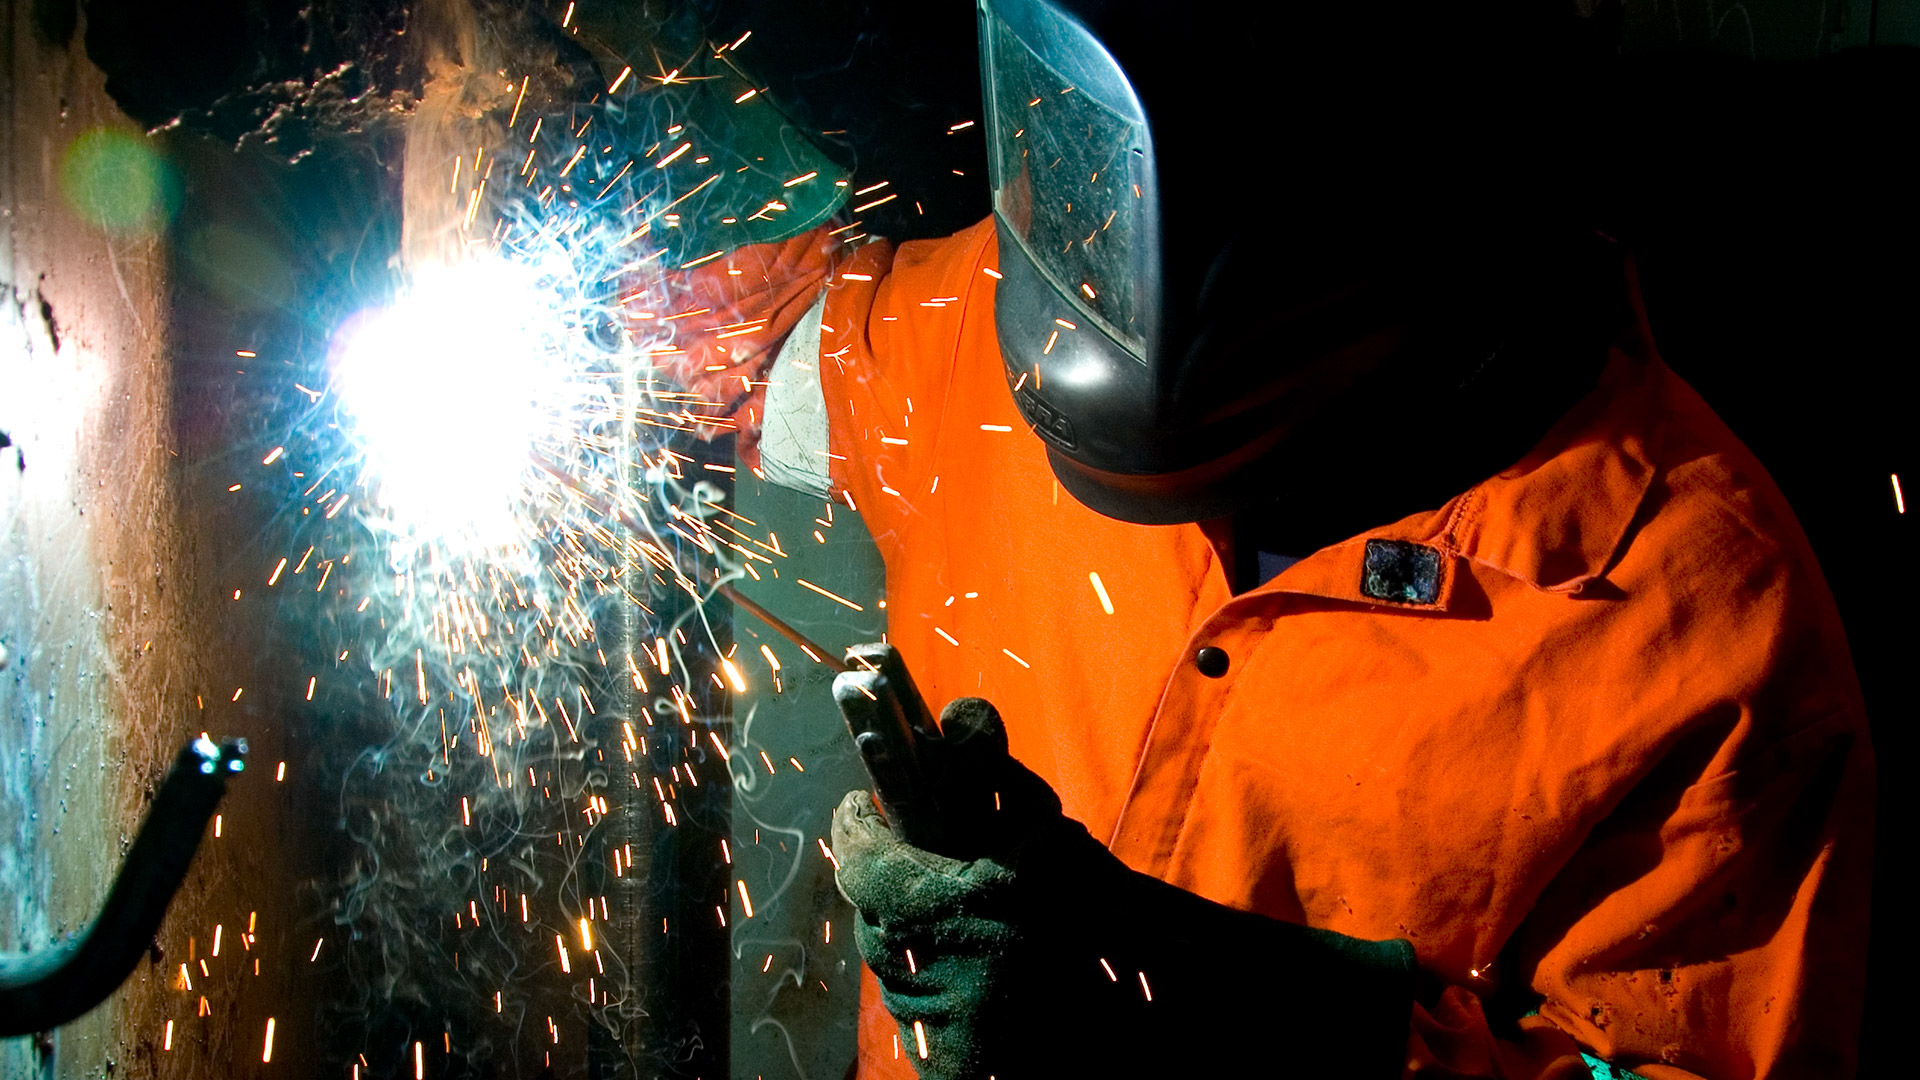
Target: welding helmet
pixel 1231 236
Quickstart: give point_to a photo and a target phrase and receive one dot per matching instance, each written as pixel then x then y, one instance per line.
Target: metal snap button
pixel 1212 662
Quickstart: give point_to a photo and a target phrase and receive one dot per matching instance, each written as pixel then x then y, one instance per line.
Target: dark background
pixel 1762 169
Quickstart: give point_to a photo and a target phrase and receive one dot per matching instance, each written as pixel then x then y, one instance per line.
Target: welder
pixel 1399 669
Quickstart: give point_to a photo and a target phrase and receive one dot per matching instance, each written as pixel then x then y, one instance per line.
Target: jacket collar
pixel 1556 519
pixel 1559 517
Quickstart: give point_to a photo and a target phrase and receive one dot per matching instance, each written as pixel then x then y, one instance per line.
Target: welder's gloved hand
pixel 1041 954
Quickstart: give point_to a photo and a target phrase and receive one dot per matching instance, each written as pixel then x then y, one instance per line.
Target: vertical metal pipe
pixel 666 1013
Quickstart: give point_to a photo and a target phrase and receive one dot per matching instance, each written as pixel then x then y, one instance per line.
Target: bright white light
pixel 448 388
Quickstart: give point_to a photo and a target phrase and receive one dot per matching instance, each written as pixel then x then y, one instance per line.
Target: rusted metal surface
pixel 104 619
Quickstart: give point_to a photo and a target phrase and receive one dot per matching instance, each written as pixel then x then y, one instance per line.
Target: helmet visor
pixel 1071 164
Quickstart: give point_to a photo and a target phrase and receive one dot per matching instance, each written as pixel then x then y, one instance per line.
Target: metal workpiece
pixel 42 990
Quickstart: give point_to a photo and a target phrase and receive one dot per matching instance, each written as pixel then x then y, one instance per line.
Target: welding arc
pixel 42 990
pixel 777 624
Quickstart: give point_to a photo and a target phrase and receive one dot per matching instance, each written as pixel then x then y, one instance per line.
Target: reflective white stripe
pixel 793 434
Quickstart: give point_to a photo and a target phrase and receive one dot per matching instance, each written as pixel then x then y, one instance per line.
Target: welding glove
pixel 1041 954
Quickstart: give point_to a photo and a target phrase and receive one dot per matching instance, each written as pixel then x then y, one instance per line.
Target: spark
pixel 522 96
pixel 864 207
pixel 274 456
pixel 835 597
pixel 266 1051
pixel 1100 590
pixel 624 72
pixel 1899 500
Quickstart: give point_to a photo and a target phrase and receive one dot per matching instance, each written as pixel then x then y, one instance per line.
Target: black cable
pixel 42 990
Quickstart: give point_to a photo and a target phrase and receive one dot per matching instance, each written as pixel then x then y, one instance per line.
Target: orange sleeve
pixel 890 337
pixel 1710 930
pixel 719 326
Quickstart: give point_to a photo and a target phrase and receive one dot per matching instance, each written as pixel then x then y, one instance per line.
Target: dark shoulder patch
pixel 1401 572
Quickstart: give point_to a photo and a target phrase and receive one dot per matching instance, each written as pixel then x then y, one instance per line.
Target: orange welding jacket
pixel 1620 759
